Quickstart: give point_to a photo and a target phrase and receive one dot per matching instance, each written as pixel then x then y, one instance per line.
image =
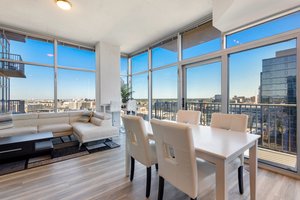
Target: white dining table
pixel 220 147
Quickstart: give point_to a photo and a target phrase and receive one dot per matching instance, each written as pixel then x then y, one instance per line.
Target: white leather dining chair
pixel 131 106
pixel 139 147
pixel 181 168
pixel 188 117
pixel 234 122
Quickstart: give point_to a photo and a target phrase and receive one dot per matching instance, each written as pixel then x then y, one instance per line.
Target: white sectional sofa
pixel 63 124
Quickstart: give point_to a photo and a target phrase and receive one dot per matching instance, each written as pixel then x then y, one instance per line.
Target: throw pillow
pixel 6 121
pixel 85 117
pixel 96 121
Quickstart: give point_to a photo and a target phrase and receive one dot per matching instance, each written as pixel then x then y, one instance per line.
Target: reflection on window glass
pixel 165 54
pixel 139 62
pixel 31 50
pixel 75 57
pixel 164 102
pixel 203 89
pixel 201 40
pixel 76 90
pixel 35 93
pixel 140 94
pixel 263 86
pixel 124 66
pixel 267 29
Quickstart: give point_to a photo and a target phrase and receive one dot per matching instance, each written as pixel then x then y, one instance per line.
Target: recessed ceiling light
pixel 64 4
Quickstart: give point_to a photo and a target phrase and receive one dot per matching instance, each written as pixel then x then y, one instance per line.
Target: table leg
pixel 253 170
pixel 221 180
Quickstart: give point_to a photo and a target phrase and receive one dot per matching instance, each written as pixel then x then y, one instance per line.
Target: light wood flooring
pixel 101 176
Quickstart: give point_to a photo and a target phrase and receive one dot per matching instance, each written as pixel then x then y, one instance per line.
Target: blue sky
pixel 203 82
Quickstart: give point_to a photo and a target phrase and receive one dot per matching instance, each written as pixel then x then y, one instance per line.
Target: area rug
pixel 64 148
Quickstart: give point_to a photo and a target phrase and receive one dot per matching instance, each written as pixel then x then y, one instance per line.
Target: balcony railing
pixel 275 123
pixel 10 68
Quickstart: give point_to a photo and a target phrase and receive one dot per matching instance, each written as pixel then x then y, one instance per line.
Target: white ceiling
pixel 130 24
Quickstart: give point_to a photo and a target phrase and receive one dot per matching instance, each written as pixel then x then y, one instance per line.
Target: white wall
pixel 107 74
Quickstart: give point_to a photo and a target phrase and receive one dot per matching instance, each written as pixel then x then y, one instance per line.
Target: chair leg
pixel 156 167
pixel 148 184
pixel 241 181
pixel 132 169
pixel 161 188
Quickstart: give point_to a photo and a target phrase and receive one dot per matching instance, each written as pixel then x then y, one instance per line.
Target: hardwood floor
pixel 101 176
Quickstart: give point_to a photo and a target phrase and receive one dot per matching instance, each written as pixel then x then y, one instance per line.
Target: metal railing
pixel 14 106
pixel 275 123
pixel 11 65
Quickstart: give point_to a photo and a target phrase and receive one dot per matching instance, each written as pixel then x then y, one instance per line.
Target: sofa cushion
pixel 55 128
pixel 53 118
pixel 6 121
pixel 96 121
pixel 75 115
pixel 21 120
pixel 18 131
pixel 102 115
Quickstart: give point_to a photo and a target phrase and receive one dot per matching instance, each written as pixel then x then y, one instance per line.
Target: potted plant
pixel 126 93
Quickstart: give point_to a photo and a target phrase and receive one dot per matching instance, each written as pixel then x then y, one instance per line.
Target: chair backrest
pixel 188 116
pixel 176 155
pixel 131 105
pixel 234 122
pixel 137 139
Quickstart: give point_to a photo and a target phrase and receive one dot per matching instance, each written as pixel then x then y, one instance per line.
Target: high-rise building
pixel 278 77
pixel 278 86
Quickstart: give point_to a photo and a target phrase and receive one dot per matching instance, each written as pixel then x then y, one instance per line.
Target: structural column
pixel 107 76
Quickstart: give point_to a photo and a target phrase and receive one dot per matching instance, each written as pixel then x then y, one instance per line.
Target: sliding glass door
pixel 262 84
pixel 203 88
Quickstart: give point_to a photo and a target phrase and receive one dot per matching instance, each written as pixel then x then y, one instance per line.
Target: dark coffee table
pixel 25 145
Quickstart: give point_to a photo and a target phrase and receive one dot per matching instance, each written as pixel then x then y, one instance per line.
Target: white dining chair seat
pixel 206 176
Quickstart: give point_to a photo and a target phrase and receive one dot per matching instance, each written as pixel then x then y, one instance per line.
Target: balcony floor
pixel 284 160
pixel 288 160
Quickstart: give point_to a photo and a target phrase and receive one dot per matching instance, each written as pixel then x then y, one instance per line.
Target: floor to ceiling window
pixel 203 89
pixel 140 94
pixel 164 79
pixel 33 80
pixel 139 83
pixel 33 93
pixel 263 86
pixel 164 93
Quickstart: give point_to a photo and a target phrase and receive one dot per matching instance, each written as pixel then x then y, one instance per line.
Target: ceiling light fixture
pixel 64 4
